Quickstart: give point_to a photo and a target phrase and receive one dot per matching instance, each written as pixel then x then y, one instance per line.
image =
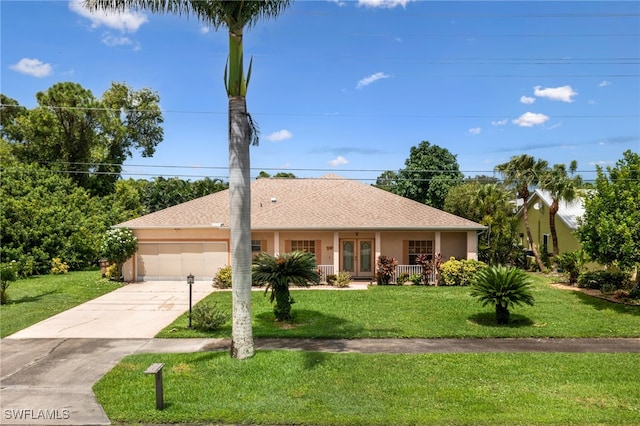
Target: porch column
pixel 378 246
pixel 472 245
pixel 336 252
pixel 276 243
pixel 437 248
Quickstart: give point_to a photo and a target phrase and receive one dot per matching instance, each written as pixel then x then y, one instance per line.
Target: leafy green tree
pixel 562 187
pixel 8 274
pixel 491 205
pixel 610 228
pixel 430 172
pixel 278 272
pixel 161 192
pixel 521 173
pixel 45 215
pixel 235 16
pixel 503 287
pixel 388 181
pixel 74 132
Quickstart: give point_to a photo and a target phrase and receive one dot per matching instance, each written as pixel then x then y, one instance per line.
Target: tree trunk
pixel 525 213
pixel 502 315
pixel 240 228
pixel 552 226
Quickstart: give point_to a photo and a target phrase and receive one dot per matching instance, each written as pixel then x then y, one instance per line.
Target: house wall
pixel 454 244
pixel 539 224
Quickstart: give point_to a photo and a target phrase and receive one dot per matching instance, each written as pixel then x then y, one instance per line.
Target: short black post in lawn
pixel 190 279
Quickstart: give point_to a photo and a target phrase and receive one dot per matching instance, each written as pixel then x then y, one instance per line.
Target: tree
pixel 490 205
pixel 71 131
pixel 118 245
pixel 235 16
pixel 562 187
pixel 610 228
pixel 429 174
pixel 503 287
pixel 278 272
pixel 46 215
pixel 521 173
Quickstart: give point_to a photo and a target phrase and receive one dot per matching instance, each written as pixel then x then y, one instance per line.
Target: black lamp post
pixel 190 279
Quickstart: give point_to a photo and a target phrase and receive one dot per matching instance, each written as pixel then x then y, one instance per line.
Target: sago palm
pixel 235 15
pixel 278 272
pixel 503 287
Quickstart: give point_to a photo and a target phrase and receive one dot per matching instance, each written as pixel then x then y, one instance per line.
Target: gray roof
pixel 327 203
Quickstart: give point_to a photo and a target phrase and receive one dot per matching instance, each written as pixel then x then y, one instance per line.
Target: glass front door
pixel 357 257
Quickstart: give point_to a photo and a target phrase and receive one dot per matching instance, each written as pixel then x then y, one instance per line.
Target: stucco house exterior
pixel 566 222
pixel 346 224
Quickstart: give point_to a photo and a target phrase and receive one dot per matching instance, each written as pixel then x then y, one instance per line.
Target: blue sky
pixel 348 87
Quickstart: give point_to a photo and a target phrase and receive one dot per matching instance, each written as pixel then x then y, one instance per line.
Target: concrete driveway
pixel 138 310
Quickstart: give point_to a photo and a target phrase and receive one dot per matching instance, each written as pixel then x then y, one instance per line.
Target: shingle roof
pixel 330 202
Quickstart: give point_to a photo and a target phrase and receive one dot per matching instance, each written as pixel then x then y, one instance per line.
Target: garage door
pixel 174 261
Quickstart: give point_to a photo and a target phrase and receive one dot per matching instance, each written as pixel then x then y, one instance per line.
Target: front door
pixel 357 258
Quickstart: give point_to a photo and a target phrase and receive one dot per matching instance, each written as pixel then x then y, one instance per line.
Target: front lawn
pixel 427 312
pixel 290 387
pixel 40 297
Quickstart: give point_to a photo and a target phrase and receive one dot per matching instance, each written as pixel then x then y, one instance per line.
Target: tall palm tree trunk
pixel 553 210
pixel 532 244
pixel 240 227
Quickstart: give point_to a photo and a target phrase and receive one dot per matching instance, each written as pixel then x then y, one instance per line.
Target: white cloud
pixel 280 135
pixel 527 100
pixel 124 21
pixel 563 93
pixel 530 119
pixel 475 131
pixel 338 2
pixel 32 67
pixel 111 40
pixel 205 29
pixel 499 122
pixel 371 79
pixel 604 83
pixel 388 4
pixel 339 161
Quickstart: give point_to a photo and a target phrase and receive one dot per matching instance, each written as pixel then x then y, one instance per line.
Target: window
pixel 417 247
pixel 256 246
pixel 304 245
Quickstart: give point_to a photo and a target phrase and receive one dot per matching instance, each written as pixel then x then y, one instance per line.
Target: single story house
pixel 566 222
pixel 346 224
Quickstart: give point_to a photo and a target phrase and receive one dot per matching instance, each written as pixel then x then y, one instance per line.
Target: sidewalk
pixel 49 381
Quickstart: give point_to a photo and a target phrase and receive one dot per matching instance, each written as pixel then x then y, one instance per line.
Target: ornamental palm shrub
pixel 278 272
pixel 503 287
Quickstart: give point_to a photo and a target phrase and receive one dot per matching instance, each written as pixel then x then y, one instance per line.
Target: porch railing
pixel 325 270
pixel 411 270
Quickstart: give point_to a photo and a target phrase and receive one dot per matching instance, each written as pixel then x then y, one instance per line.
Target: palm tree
pixel 235 15
pixel 277 273
pixel 562 187
pixel 503 287
pixel 521 173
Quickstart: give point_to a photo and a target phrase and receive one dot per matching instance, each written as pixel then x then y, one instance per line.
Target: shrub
pixel 118 245
pixel 429 264
pixel 208 316
pixel 8 273
pixel 608 281
pixel 402 278
pixel 503 287
pixel 223 278
pixel 634 293
pixel 386 268
pixel 459 272
pixel 331 279
pixel 112 272
pixel 59 267
pixel 572 263
pixel 343 279
pixel 416 279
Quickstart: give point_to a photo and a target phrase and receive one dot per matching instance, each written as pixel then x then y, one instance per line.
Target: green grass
pixel 37 298
pixel 428 312
pixel 289 387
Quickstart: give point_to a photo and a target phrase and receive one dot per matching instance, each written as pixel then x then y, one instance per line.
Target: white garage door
pixel 174 261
